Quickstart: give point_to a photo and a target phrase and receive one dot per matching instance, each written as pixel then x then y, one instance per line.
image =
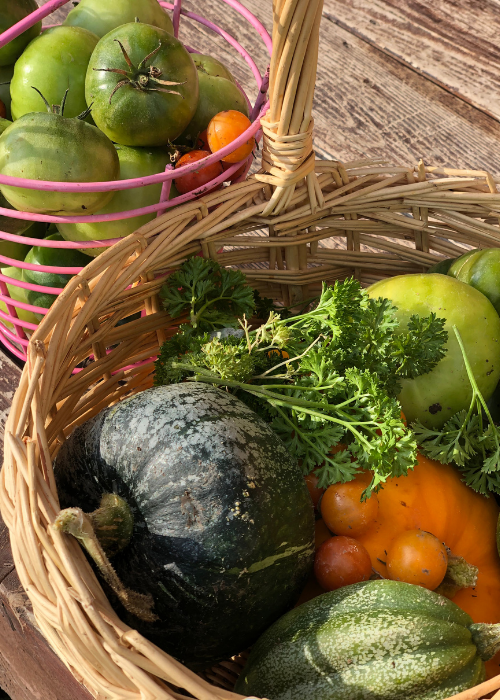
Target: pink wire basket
pixel 14 331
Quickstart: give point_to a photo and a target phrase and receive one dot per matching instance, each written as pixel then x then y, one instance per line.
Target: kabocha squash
pixel 223 536
pixel 371 640
pixel 434 499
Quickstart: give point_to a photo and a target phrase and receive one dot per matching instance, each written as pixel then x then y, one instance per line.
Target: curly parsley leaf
pixel 214 296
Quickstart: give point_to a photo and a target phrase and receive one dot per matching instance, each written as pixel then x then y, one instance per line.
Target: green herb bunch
pixel 326 377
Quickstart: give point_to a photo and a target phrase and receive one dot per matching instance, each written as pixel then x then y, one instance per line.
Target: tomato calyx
pixel 141 77
pixel 59 109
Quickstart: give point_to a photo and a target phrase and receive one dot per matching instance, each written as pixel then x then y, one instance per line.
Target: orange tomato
pixel 224 128
pixel 198 178
pixel 340 561
pixel 417 557
pixel 202 142
pixel 343 511
pixel 314 491
pixel 322 533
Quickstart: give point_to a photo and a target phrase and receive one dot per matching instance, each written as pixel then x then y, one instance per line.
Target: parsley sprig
pixel 325 378
pixel 470 439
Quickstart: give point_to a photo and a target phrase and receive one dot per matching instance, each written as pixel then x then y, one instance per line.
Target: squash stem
pixel 73 521
pixel 486 639
pixel 113 523
pixel 459 574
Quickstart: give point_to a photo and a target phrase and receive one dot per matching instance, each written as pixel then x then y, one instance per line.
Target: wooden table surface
pixel 397 79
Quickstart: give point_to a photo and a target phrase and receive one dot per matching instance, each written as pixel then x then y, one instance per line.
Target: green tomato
pixel 14 249
pixel 4 124
pixel 53 62
pixel 433 398
pixel 12 12
pixel 19 294
pixel 134 163
pixel 6 73
pixel 56 257
pixel 101 17
pixel 47 146
pixel 149 105
pixel 218 92
pixel 480 269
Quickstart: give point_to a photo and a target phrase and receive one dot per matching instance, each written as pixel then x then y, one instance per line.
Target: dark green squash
pixel 223 523
pixel 376 640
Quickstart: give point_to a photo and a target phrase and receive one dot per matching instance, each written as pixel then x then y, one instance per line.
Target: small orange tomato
pixel 417 557
pixel 224 128
pixel 202 142
pixel 341 561
pixel 198 178
pixel 3 110
pixel 321 532
pixel 314 491
pixel 343 511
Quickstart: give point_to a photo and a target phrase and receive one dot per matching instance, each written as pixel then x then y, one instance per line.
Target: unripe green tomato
pixel 53 62
pixel 43 146
pixel 12 12
pixel 19 294
pixel 150 103
pixel 101 16
pixel 218 93
pixel 480 269
pixel 433 398
pixel 134 163
pixel 52 257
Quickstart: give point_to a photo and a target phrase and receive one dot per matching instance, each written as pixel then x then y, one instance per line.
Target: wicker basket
pixel 18 319
pixel 297 222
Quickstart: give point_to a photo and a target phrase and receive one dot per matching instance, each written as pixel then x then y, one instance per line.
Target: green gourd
pixel 370 641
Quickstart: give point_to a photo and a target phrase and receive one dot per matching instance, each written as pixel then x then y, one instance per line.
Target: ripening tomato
pixel 224 128
pixel 3 110
pixel 198 178
pixel 238 173
pixel 342 508
pixel 202 142
pixel 417 557
pixel 340 561
pixel 321 533
pixel 314 490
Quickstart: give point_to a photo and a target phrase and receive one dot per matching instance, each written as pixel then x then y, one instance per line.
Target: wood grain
pixel 369 104
pixel 452 42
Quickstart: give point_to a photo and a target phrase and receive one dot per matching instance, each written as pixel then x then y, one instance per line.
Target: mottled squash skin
pixel 224 527
pixel 376 640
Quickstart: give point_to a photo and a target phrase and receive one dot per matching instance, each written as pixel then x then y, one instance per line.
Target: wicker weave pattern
pixel 388 220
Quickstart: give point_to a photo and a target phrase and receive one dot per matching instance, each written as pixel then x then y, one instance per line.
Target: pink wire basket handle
pixel 14 326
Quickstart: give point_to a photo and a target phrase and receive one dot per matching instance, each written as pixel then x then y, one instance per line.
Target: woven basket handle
pixel 288 155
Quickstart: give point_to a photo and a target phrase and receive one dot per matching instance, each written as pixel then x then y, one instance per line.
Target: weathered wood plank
pixel 368 104
pixel 452 42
